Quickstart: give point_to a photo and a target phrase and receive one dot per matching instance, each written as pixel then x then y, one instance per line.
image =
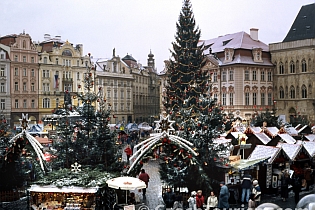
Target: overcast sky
pixel 136 26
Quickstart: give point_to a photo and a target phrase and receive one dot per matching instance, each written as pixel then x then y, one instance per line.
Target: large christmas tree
pixel 198 117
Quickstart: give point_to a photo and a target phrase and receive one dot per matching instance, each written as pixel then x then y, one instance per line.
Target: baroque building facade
pixel 294 74
pixel 61 70
pixel 130 88
pixel 5 90
pixel 23 77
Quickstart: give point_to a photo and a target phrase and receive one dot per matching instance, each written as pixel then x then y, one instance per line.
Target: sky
pixel 135 27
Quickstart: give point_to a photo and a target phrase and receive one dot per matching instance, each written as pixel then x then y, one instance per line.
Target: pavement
pixel 154 191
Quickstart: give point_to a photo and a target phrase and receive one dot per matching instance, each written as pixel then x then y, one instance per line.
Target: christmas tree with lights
pixel 198 117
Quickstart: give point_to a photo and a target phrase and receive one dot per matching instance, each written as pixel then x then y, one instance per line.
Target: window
pixel 66 62
pixel 68 87
pixel 16 103
pixel 262 76
pixel 46 86
pixel 262 98
pixel 281 68
pixel 16 71
pixel 78 75
pixel 66 75
pixel 246 75
pixel 46 73
pixel 1 56
pixel 2 104
pixel 215 96
pixel 45 60
pixel 224 99
pixel 24 86
pixel 115 94
pixel 57 102
pixel 223 76
pixel 304 91
pixel 215 76
pixel 57 61
pixel 292 92
pixel 304 67
pixel 24 44
pixel 122 107
pixel 78 63
pixel 32 73
pixel 269 99
pixel 128 94
pixel 46 103
pixel 254 98
pixel 32 60
pixel 16 86
pixel 24 72
pixel 2 87
pixel 16 58
pixel 33 104
pixel 32 87
pixel 24 59
pixel 292 67
pixel 254 75
pixel 122 94
pixel 2 71
pixel 115 107
pixel 231 99
pixel 231 75
pixel 269 76
pixel 108 93
pixel 281 92
pixel 24 103
pixel 247 99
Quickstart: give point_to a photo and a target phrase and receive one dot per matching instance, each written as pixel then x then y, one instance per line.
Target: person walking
pixel 257 192
pixel 212 201
pixel 146 178
pixel 285 180
pixel 192 201
pixel 200 200
pixel 224 196
pixel 308 177
pixel 246 187
pixel 297 185
pixel 169 198
pixel 128 152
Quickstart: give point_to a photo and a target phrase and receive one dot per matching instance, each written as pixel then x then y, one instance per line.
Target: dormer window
pixel 257 54
pixel 229 52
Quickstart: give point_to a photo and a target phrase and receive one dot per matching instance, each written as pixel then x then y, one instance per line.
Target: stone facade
pixel 294 78
pixel 5 90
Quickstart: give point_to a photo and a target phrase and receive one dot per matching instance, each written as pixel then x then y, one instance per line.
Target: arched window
pixel 281 92
pixel 292 67
pixel 292 92
pixel 281 68
pixel 67 53
pixel 304 66
pixel 304 91
pixel 46 103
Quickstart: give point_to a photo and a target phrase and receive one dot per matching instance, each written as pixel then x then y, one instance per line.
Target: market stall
pixel 70 197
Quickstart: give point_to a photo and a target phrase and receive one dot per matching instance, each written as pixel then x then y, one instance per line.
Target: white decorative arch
pixel 164 126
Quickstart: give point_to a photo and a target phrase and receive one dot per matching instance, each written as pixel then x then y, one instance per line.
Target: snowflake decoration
pixel 164 124
pixel 76 167
pixel 24 121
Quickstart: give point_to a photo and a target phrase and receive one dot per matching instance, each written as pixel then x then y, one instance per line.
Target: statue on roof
pixel 114 52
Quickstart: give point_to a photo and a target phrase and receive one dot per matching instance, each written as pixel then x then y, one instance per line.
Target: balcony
pixel 67 79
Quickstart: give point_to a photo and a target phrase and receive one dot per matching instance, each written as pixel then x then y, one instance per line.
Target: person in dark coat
pixel 224 196
pixel 297 185
pixel 246 187
pixel 169 198
pixel 285 181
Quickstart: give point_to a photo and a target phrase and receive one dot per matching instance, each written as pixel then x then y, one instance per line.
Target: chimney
pixel 254 34
pixel 47 37
pixel 58 38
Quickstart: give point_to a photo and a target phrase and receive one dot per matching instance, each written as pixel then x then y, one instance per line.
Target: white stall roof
pixel 64 189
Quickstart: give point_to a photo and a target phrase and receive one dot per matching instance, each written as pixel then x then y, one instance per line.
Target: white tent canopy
pixel 64 189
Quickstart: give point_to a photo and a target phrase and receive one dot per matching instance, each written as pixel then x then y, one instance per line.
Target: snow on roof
pixel 300 129
pixel 272 130
pixel 240 128
pixel 221 141
pixel 235 134
pixel 256 129
pixel 263 138
pixel 310 137
pixel 287 138
pixel 64 189
pixel 262 151
pixel 291 150
pixel 309 147
pixel 291 131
